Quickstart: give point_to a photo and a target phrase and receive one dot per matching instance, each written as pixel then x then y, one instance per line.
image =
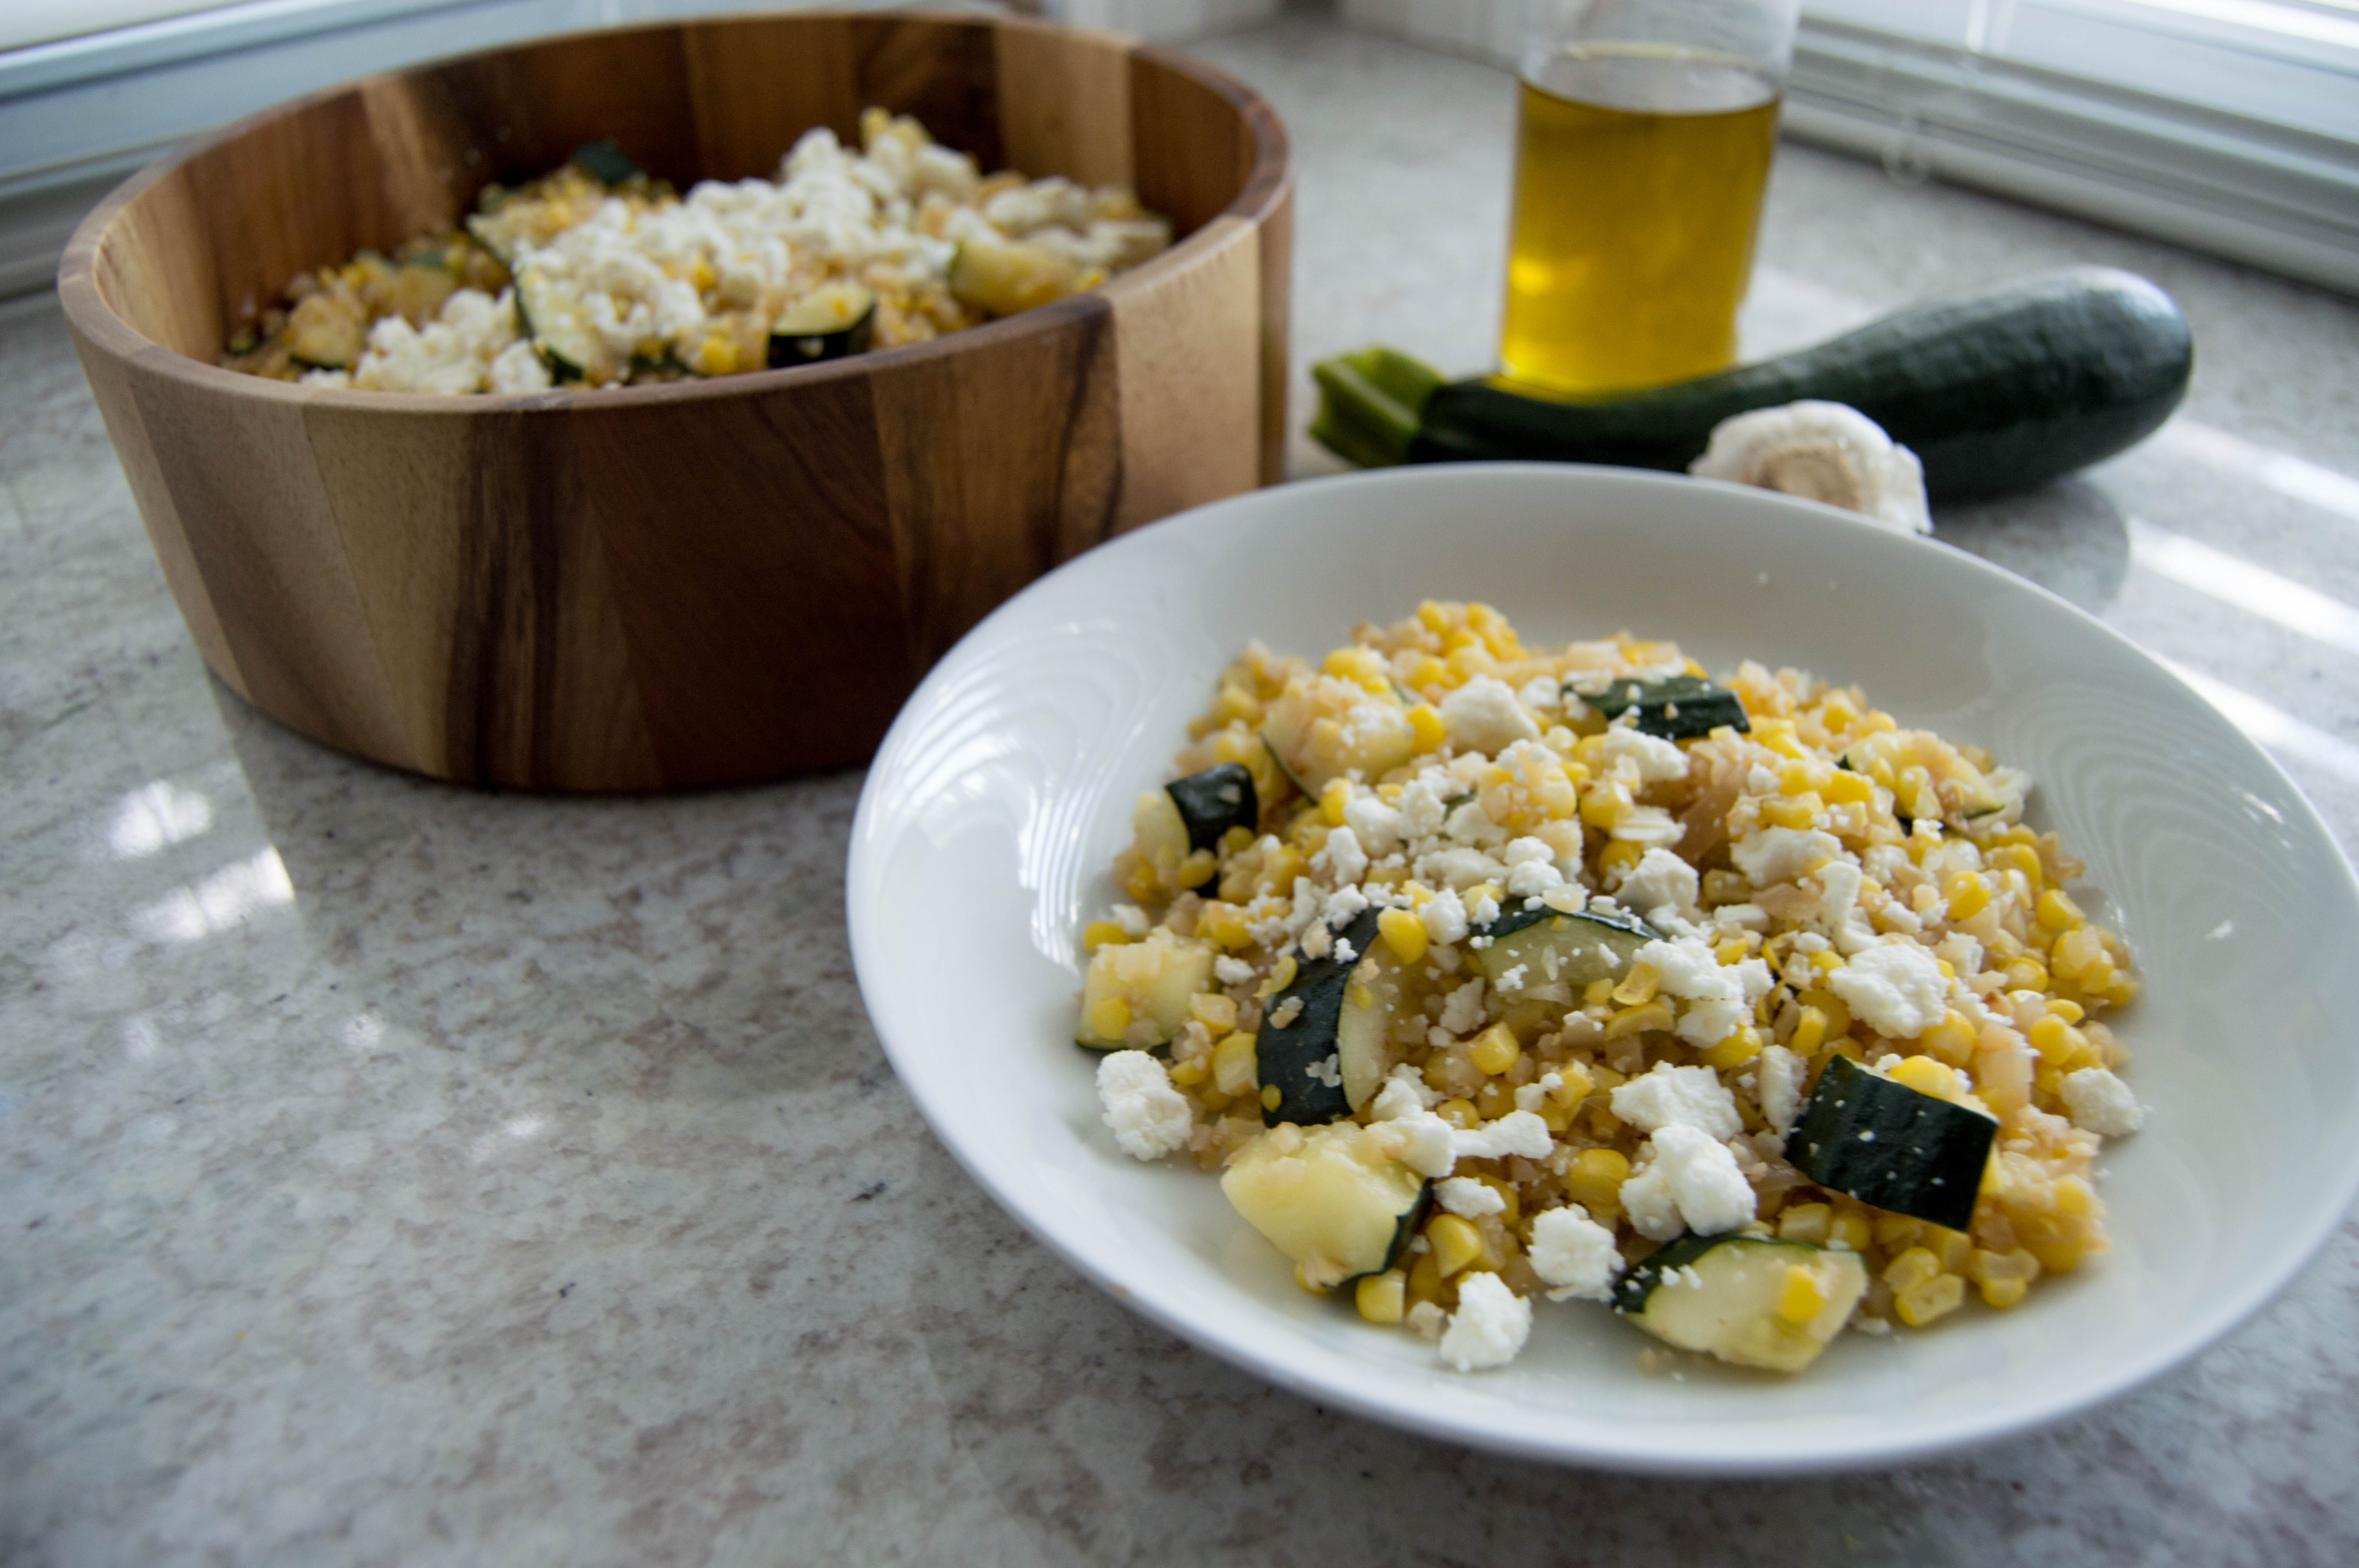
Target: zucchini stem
pixel 1370 403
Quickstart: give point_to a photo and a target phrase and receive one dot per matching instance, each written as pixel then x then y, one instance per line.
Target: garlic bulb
pixel 1825 451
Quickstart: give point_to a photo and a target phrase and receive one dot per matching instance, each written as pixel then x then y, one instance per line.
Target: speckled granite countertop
pixel 394 1173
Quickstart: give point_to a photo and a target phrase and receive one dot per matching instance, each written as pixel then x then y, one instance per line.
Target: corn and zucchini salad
pixel 597 273
pixel 1483 973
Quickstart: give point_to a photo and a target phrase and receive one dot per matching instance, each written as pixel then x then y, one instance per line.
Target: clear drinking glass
pixel 1643 148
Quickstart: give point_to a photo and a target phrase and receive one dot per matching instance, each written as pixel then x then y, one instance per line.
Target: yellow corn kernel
pixel 2004 1293
pixel 1968 894
pixel 2003 1276
pixel 1848 788
pixel 1459 1113
pixel 1331 801
pixel 1637 1020
pixel 1896 1231
pixel 1234 1067
pixel 1425 1282
pixel 1455 1242
pixel 1837 1010
pixel 2018 858
pixel 2057 913
pixel 1382 1298
pixel 1808 1222
pixel 1214 1011
pixel 1913 1267
pixel 1801 1298
pixel 1143 885
pixel 1280 976
pixel 1191 1072
pixel 1594 1181
pixel 1497 1048
pixel 1223 924
pixel 1731 951
pixel 1734 1052
pixel 1270 1098
pixel 1493 1100
pixel 1403 933
pixel 1603 807
pixel 1809 1033
pixel 1109 1016
pixel 1425 724
pixel 2075 1199
pixel 1574 1084
pixel 2027 973
pixel 1937 1297
pixel 1851 1230
pixel 1597 994
pixel 2070 1011
pixel 1638 986
pixel 1954 1250
pixel 1198 868
pixel 1951 1040
pixel 1103 934
pixel 1365 665
pixel 1792 810
pixel 1927 1076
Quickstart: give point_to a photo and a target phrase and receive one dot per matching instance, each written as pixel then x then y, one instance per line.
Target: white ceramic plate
pixel 984 833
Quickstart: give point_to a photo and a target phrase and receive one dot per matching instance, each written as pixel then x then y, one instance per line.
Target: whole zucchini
pixel 1994 394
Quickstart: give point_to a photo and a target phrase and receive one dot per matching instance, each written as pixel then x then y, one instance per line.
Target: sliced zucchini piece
pixel 502 234
pixel 550 312
pixel 604 162
pixel 1317 738
pixel 1676 709
pixel 1748 1300
pixel 1865 1136
pixel 1328 1198
pixel 1553 947
pixel 1376 994
pixel 1301 1058
pixel 1005 278
pixel 1212 802
pixel 1159 833
pixel 1154 981
pixel 327 331
pixel 832 322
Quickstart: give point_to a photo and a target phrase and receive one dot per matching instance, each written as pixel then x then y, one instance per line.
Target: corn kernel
pixel 1936 1298
pixel 1280 976
pixel 1270 1098
pixel 1223 924
pixel 1382 1298
pixel 2004 1293
pixel 1734 1052
pixel 1574 1084
pixel 1848 788
pixel 1638 986
pixel 1103 934
pixel 1951 1248
pixel 1497 1048
pixel 1796 811
pixel 1594 1181
pixel 2070 1011
pixel 1913 1267
pixel 1198 868
pixel 1191 1072
pixel 1425 1282
pixel 1837 1010
pixel 1143 885
pixel 1234 1067
pixel 1493 1100
pixel 1597 994
pixel 1851 1230
pixel 1809 1033
pixel 1808 1222
pixel 1456 1242
pixel 1731 951
pixel 1403 933
pixel 1968 894
pixel 1637 1020
pixel 1927 1076
pixel 2057 913
pixel 1214 1011
pixel 1801 1298
pixel 2075 1199
pixel 1894 1231
pixel 2018 858
pixel 1109 1016
pixel 1425 724
pixel 2027 973
pixel 1951 1040
pixel 1331 801
pixel 1459 1113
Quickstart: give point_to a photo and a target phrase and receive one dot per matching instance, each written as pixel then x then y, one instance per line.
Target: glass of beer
pixel 1643 146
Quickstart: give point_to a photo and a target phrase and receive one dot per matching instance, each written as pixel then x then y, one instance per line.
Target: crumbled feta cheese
pixel 1317 941
pixel 1444 917
pixel 1148 1117
pixel 1232 971
pixel 1481 912
pixel 1420 809
pixel 1659 877
pixel 1484 716
pixel 1461 1010
pixel 1699 1175
pixel 1656 760
pixel 1678 1097
pixel 1541 694
pixel 1783 854
pixel 1532 1096
pixel 1781 1074
pixel 1517 1132
pixel 1742 917
pixel 1648 1206
pixel 1468 1198
pixel 1574 1254
pixel 1532 879
pixel 1490 1326
pixel 1897 989
pixel 1419 1140
pixel 1512 979
pixel 1344 952
pixel 1404 1094
pixel 2101 1103
pixel 1649 826
pixel 1344 856
pixel 1459 869
pixel 1376 825
pixel 1132 919
pixel 1341 907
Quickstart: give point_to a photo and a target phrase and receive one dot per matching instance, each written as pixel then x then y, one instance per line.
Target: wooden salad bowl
pixel 704 581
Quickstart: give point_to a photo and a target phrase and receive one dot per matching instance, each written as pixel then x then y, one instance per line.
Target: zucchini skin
pixel 1287 1059
pixel 1994 394
pixel 1884 1144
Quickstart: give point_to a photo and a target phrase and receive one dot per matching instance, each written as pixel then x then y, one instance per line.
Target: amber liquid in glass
pixel 1638 181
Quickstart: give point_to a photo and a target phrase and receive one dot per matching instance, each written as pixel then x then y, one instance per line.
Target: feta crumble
pixel 1490 1326
pixel 1897 987
pixel 1484 716
pixel 1468 1198
pixel 1148 1117
pixel 2100 1103
pixel 1678 1097
pixel 1574 1254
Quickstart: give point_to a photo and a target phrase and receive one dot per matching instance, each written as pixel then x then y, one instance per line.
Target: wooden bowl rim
pixel 1267 186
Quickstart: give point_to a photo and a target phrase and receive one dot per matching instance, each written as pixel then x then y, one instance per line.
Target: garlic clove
pixel 1822 452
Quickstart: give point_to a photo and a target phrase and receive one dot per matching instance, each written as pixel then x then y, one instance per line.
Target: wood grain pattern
pixel 697 583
